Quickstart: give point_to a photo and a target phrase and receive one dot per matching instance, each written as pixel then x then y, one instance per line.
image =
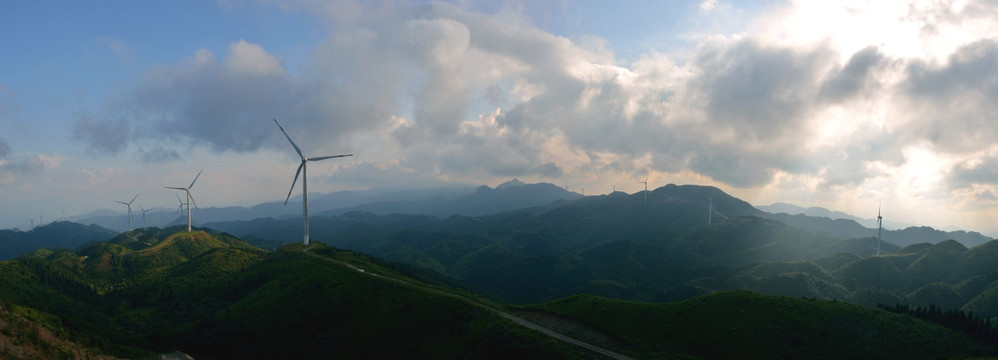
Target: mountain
pixel 614 245
pixel 208 294
pixel 743 325
pixel 844 226
pixel 55 235
pixel 509 196
pixel 160 217
pixel 213 296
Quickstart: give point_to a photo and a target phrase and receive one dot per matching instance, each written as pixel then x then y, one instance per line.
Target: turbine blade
pixel 121 202
pixel 328 157
pixel 196 178
pixel 192 200
pixel 289 139
pixel 133 199
pixel 175 188
pixel 293 182
pixel 181 207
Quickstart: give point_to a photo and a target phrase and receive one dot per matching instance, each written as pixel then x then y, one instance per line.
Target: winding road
pixel 516 319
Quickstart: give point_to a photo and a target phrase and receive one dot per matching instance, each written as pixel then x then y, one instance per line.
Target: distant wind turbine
pixel 880 223
pixel 190 198
pixel 646 188
pixel 303 171
pixel 32 223
pixel 181 207
pixel 129 205
pixel 143 216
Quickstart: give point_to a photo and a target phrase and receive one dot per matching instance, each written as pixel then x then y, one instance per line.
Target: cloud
pixel 118 47
pixel 14 168
pixel 434 89
pixel 101 136
pixel 158 155
pixel 963 91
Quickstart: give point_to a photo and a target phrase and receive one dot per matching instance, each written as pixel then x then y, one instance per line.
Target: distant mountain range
pixel 791 209
pixel 441 202
pixel 55 235
pixel 843 225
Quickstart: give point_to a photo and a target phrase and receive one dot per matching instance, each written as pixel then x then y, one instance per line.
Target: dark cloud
pixel 954 105
pixel 102 136
pixel 158 155
pixel 764 92
pixel 850 80
pixel 965 176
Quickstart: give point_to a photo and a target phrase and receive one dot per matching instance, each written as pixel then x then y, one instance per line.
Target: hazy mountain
pixel 843 225
pixel 55 235
pixel 511 195
pixel 614 245
pixel 318 203
pixel 815 211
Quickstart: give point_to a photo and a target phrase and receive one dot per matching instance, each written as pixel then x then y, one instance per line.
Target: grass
pixel 741 325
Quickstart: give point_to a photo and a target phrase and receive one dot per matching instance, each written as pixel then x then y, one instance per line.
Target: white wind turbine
pixel 303 171
pixel 129 205
pixel 181 207
pixel 880 223
pixel 646 188
pixel 190 198
pixel 143 216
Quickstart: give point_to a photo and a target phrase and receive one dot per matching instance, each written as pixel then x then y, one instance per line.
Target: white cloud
pixel 830 99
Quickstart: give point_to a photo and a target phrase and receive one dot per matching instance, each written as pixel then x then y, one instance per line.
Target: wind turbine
pixel 129 205
pixel 32 219
pixel 181 207
pixel 143 216
pixel 303 171
pixel 190 198
pixel 646 187
pixel 880 223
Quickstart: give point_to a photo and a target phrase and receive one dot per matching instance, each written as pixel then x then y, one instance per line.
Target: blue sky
pixel 835 104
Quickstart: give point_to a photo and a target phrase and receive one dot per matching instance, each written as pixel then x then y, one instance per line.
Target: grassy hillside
pixel 216 297
pixel 743 325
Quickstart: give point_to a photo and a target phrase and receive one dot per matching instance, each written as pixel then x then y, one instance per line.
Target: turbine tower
pixel 129 205
pixel 303 171
pixel 143 216
pixel 646 188
pixel 880 226
pixel 190 198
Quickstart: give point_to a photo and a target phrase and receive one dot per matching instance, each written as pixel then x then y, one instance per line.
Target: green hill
pixel 743 325
pixel 216 297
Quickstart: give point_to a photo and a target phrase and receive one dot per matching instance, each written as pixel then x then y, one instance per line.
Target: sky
pixel 847 105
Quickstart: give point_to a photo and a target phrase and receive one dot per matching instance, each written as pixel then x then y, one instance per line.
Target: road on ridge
pixel 516 319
